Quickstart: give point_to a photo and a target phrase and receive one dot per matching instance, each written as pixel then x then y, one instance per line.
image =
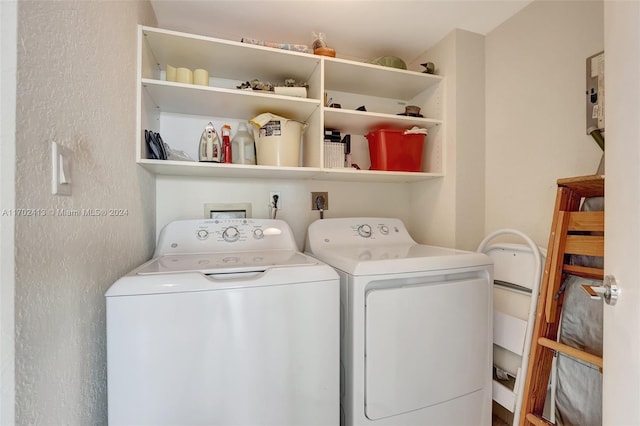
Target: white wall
pixel 433 202
pixel 76 86
pixel 535 111
pixel 450 211
pixel 8 53
pixel 470 140
pixel 184 198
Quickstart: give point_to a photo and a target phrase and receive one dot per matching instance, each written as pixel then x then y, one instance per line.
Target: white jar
pixel 242 146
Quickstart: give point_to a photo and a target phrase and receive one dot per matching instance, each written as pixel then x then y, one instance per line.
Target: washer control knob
pixel 258 233
pixel 384 229
pixel 364 231
pixel 202 234
pixel 231 234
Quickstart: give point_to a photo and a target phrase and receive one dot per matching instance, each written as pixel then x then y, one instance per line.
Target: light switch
pixel 60 169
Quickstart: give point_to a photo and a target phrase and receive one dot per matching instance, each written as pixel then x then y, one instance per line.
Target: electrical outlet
pixel 314 202
pixel 271 200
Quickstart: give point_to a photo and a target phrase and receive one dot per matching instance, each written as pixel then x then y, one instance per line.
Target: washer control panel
pixel 231 234
pixel 214 235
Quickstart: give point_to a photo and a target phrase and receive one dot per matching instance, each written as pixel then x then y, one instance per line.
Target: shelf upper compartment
pixel 217 102
pixel 228 59
pixel 360 123
pixel 242 61
pixel 375 80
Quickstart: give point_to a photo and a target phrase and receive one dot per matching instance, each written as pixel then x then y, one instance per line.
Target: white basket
pixel 278 143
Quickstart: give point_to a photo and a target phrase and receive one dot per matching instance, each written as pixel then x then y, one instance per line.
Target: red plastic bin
pixel 392 150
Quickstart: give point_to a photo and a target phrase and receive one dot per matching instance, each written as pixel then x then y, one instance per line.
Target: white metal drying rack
pixel 511 333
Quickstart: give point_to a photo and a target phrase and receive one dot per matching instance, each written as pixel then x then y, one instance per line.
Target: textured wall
pixel 8 65
pixel 76 85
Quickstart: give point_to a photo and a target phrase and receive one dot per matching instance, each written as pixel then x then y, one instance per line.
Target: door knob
pixel 608 291
pixel 611 290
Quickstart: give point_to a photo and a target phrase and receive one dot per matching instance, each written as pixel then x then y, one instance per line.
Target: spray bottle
pixel 226 143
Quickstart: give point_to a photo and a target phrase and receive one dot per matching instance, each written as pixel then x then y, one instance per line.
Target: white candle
pixel 201 77
pixel 184 75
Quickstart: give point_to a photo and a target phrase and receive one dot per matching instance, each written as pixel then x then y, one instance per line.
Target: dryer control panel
pixel 378 229
pixel 224 235
pixel 368 231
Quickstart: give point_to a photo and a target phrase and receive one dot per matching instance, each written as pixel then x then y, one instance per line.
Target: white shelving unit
pixel 165 106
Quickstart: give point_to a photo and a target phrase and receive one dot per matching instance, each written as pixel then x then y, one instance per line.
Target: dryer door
pixel 426 344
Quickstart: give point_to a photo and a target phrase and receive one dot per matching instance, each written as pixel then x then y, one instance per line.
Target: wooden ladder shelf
pixel 573 232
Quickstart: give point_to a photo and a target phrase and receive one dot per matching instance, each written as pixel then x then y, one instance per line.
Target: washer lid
pixel 230 262
pixel 210 272
pixel 376 260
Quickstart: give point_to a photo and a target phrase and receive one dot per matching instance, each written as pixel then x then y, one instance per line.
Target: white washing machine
pixel 228 324
pixel 416 340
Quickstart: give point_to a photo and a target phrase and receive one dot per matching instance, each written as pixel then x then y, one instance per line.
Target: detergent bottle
pixel 242 146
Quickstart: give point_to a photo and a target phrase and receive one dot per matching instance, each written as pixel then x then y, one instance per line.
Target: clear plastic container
pixel 243 149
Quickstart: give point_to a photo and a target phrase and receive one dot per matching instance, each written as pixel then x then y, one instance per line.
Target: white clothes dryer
pixel 228 324
pixel 416 335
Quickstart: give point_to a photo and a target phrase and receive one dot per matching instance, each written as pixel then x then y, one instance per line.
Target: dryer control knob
pixel 231 234
pixel 384 229
pixel 364 231
pixel 202 234
pixel 258 233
